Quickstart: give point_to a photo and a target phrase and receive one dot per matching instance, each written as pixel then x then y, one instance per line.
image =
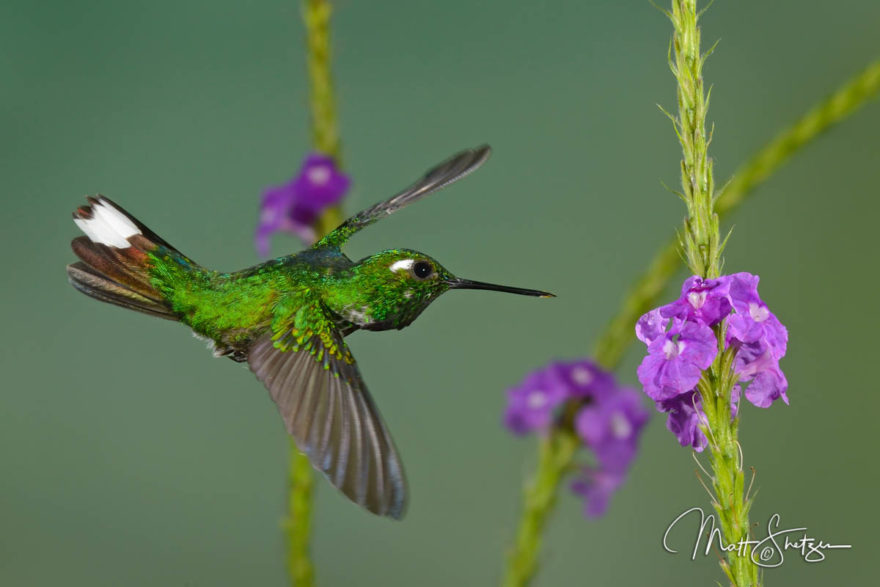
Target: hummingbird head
pixel 391 288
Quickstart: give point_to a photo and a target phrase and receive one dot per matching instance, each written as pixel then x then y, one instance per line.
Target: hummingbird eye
pixel 422 270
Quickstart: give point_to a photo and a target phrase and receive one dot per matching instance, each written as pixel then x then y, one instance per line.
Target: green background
pixel 131 457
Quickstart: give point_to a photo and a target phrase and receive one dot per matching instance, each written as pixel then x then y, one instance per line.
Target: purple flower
pixel 295 206
pixel 685 415
pixel 532 404
pixel 597 486
pixel 585 379
pixel 611 428
pixel 760 339
pixel 684 418
pixel 609 422
pixel 756 365
pixel 702 300
pixel 678 354
pixel 757 324
pixel 676 358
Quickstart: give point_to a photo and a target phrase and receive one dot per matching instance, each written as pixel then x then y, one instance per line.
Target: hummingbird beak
pixel 458 283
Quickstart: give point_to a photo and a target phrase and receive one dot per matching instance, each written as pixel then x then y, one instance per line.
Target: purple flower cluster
pixel 295 206
pixel 609 421
pixel 681 344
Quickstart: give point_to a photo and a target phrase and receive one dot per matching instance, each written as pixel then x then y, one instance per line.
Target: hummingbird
pixel 288 318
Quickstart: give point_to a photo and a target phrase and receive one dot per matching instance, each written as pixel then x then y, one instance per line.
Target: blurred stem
pixel 325 138
pixel 325 133
pixel 646 291
pixel 555 456
pixel 299 523
pixel 325 127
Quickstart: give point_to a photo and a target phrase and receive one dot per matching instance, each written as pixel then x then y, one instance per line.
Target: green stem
pixel 554 459
pixel 325 138
pixel 702 248
pixel 325 127
pixel 299 523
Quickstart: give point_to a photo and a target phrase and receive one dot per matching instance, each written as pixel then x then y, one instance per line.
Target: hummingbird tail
pixel 117 257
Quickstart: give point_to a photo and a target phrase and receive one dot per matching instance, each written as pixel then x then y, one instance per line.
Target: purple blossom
pixel 702 300
pixel 684 418
pixel 676 359
pixel 685 415
pixel 531 406
pixel 597 486
pixel 753 320
pixel 295 206
pixel 756 364
pixel 609 421
pixel 611 428
pixel 585 379
pixel 669 373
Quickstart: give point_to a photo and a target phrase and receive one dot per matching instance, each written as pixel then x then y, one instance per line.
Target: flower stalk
pixel 555 458
pixel 701 241
pixel 325 127
pixel 325 139
pixel 298 523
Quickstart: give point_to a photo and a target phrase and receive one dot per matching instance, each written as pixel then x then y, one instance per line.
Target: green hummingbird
pixel 287 318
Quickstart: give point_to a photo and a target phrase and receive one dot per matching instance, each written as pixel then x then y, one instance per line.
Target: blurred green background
pixel 131 457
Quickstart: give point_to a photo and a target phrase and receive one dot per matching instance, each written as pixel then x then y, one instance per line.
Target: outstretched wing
pixel 313 379
pixel 440 176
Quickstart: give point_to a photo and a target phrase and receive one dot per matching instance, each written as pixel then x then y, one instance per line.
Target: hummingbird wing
pixel 438 177
pixel 314 380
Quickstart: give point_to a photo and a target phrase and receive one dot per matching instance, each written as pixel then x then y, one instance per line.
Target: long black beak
pixel 468 284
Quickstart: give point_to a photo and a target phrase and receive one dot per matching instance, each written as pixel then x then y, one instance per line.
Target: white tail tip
pixel 107 225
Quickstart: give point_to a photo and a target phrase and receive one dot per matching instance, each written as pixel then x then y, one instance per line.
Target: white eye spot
pixel 697 299
pixel 758 313
pixel 402 265
pixel 536 399
pixel 620 426
pixel 581 376
pixel 319 175
pixel 672 349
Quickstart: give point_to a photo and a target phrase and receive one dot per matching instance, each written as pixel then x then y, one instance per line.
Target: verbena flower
pixel 681 344
pixel 597 486
pixel 611 427
pixel 685 417
pixel 705 301
pixel 532 405
pixel 295 206
pixel 609 421
pixel 676 357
